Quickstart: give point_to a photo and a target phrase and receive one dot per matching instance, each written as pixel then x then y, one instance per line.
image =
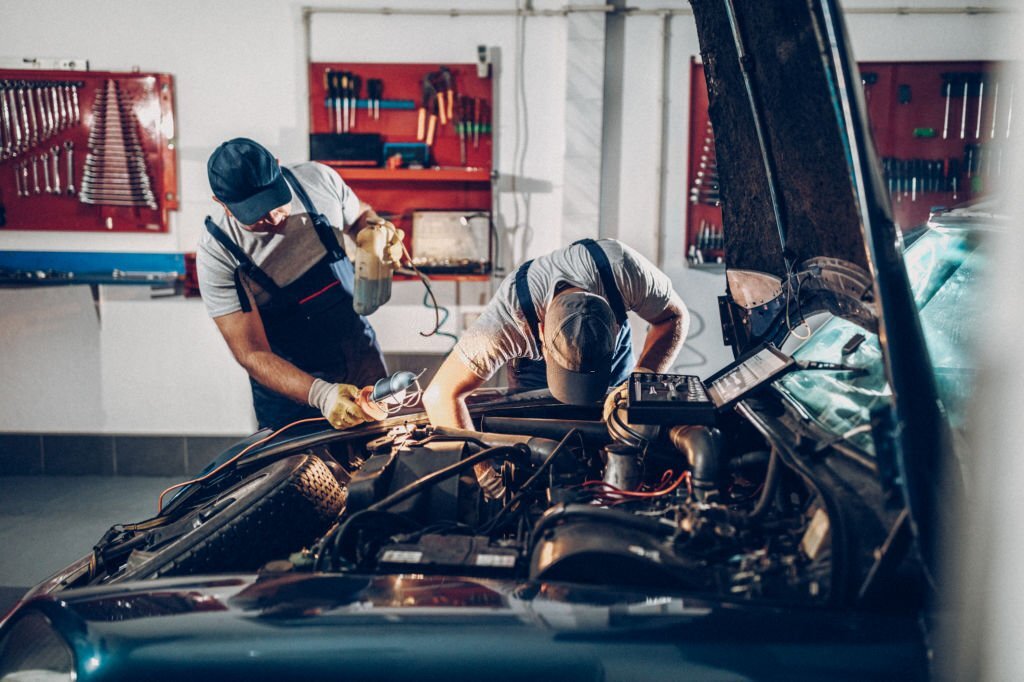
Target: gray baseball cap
pixel 248 179
pixel 580 332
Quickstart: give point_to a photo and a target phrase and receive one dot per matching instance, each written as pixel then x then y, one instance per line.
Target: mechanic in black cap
pixel 276 279
pixel 561 321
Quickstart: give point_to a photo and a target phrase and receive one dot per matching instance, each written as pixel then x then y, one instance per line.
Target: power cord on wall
pixel 429 300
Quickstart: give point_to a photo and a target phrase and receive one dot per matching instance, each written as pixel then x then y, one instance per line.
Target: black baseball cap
pixel 580 332
pixel 247 178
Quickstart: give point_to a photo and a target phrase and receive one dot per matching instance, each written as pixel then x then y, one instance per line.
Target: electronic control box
pixel 668 399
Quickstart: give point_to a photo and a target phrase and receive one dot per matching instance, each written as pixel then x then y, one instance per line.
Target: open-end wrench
pixel 53 113
pixel 44 114
pixel 44 159
pixel 5 126
pixel 65 102
pixel 35 175
pixel 74 103
pixel 65 90
pixel 34 135
pixel 65 108
pixel 12 107
pixel 55 154
pixel 25 128
pixel 58 109
pixel 21 169
pixel 69 147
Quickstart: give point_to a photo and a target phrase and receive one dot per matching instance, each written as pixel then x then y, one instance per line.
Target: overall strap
pixel 604 270
pixel 526 300
pixel 323 228
pixel 245 266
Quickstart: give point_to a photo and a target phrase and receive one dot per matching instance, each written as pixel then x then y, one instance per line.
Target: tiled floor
pixel 46 522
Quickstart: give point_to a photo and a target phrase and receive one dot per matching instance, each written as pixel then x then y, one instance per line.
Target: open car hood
pixel 808 225
pixel 791 181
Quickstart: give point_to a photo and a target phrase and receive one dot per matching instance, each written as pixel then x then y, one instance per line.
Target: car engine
pixel 675 507
pixel 542 492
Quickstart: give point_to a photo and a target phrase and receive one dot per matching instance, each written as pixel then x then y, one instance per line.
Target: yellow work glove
pixel 394 247
pixel 619 394
pixel 614 415
pixel 337 402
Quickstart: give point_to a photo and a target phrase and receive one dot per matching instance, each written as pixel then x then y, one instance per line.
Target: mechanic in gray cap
pixel 561 321
pixel 276 280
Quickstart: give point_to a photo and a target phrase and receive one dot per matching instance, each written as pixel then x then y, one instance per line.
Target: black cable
pixel 502 451
pixel 430 293
pixel 439 318
pixel 642 440
pixel 494 523
pixel 771 482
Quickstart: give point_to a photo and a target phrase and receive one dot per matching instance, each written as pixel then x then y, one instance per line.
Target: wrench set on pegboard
pixel 32 114
pixel 86 151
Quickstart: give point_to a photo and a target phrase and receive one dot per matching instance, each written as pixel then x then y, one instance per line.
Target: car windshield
pixel 944 266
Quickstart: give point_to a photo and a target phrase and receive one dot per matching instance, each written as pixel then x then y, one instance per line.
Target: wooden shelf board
pixel 445 277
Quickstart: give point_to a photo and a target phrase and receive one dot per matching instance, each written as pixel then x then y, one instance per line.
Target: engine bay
pixel 542 492
pixel 676 507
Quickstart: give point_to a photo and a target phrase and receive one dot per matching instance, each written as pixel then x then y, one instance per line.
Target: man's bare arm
pixel 445 397
pixel 366 216
pixel 247 339
pixel 665 337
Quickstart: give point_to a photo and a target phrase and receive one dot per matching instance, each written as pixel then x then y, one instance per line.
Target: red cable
pixel 160 500
pixel 609 491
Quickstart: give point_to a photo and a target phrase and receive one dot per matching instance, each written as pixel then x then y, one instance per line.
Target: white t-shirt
pixel 285 256
pixel 502 333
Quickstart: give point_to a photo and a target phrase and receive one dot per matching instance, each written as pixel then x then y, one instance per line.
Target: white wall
pixel 158 366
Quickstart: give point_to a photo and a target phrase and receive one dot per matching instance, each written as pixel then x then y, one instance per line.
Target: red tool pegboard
pixel 139 106
pixel 932 156
pixel 704 238
pixel 445 183
pixel 403 86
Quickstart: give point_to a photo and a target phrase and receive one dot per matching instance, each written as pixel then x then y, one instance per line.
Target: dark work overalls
pixel 309 322
pixel 531 374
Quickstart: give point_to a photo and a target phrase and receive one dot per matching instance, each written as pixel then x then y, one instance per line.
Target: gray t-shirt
pixel 284 256
pixel 502 333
